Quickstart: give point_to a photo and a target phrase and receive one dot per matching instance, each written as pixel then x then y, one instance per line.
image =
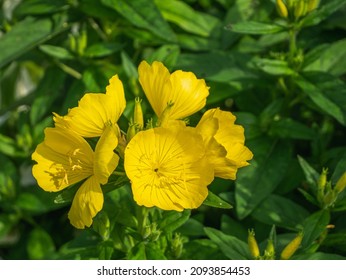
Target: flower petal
pixel 153 80
pixel 88 201
pixel 63 158
pixel 105 158
pixel 167 168
pixel 95 111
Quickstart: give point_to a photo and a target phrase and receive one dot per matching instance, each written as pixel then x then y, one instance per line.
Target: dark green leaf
pixel 143 14
pixel 318 256
pixel 202 249
pixel 255 182
pixel 40 245
pixel 214 201
pixel 324 11
pixel 321 99
pixel 311 175
pixel 289 128
pixel 273 67
pixel 253 27
pixel 181 14
pixel 38 7
pixel 313 227
pixel 102 49
pixel 172 220
pixel 280 211
pixel 26 35
pixel 56 51
pixel 232 247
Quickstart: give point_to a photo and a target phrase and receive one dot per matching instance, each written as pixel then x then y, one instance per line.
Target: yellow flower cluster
pixel 170 164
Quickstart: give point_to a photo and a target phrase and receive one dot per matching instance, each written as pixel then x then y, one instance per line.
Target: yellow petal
pixel 63 158
pixel 167 168
pixel 224 142
pixel 183 89
pixel 105 158
pixel 153 80
pixel 95 111
pixel 88 201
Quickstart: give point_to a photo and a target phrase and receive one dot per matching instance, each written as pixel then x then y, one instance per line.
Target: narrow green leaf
pixel 331 59
pixel 129 68
pixel 318 256
pixel 311 175
pixel 201 249
pixel 257 181
pixel 172 220
pixel 321 99
pixel 253 27
pixel 232 247
pixel 324 11
pixel 39 7
pixel 27 34
pixel 181 14
pixel 102 49
pixel 313 227
pixel 214 201
pixel 167 54
pixel 289 128
pixel 143 14
pixel 280 211
pixel 56 51
pixel 273 67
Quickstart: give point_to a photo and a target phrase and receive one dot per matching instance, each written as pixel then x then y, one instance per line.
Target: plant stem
pixel 292 44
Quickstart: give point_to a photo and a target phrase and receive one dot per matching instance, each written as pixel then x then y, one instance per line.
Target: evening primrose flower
pixel 224 141
pixel 181 91
pixel 167 168
pixel 65 158
pixel 95 111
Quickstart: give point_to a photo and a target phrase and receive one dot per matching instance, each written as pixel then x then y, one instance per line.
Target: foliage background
pixel 292 104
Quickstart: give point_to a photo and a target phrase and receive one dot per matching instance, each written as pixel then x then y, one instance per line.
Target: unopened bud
pixel 281 8
pixel 177 246
pixel 252 243
pixel 312 5
pixel 165 116
pixel 340 184
pixel 138 114
pixel 269 252
pixel 131 132
pixel 300 9
pixel 292 247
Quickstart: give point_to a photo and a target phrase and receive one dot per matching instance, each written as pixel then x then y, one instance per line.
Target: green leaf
pixel 102 49
pixel 129 68
pixel 253 27
pixel 214 201
pixel 146 251
pixel 259 180
pixel 322 12
pixel 273 67
pixel 232 247
pixel 313 227
pixel 46 94
pixel 171 220
pixel 321 99
pixel 27 34
pixel 39 7
pixel 280 211
pixel 311 175
pixel 202 249
pixel 330 60
pixel 56 51
pixel 289 128
pixel 40 245
pixel 181 14
pixel 167 54
pixel 8 146
pixel 143 14
pixel 318 256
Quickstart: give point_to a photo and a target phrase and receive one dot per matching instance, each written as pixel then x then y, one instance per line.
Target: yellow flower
pixel 95 111
pixel 167 168
pixel 65 158
pixel 224 143
pixel 182 89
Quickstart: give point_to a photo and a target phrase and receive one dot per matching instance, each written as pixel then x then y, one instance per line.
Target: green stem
pixel 292 44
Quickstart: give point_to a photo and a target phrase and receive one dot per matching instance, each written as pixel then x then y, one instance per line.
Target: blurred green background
pixel 283 77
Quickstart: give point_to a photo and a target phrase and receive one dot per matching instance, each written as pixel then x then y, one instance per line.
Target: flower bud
pixel 281 8
pixel 300 9
pixel 177 246
pixel 252 243
pixel 292 247
pixel 131 132
pixel 312 5
pixel 165 116
pixel 269 252
pixel 138 114
pixel 340 184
